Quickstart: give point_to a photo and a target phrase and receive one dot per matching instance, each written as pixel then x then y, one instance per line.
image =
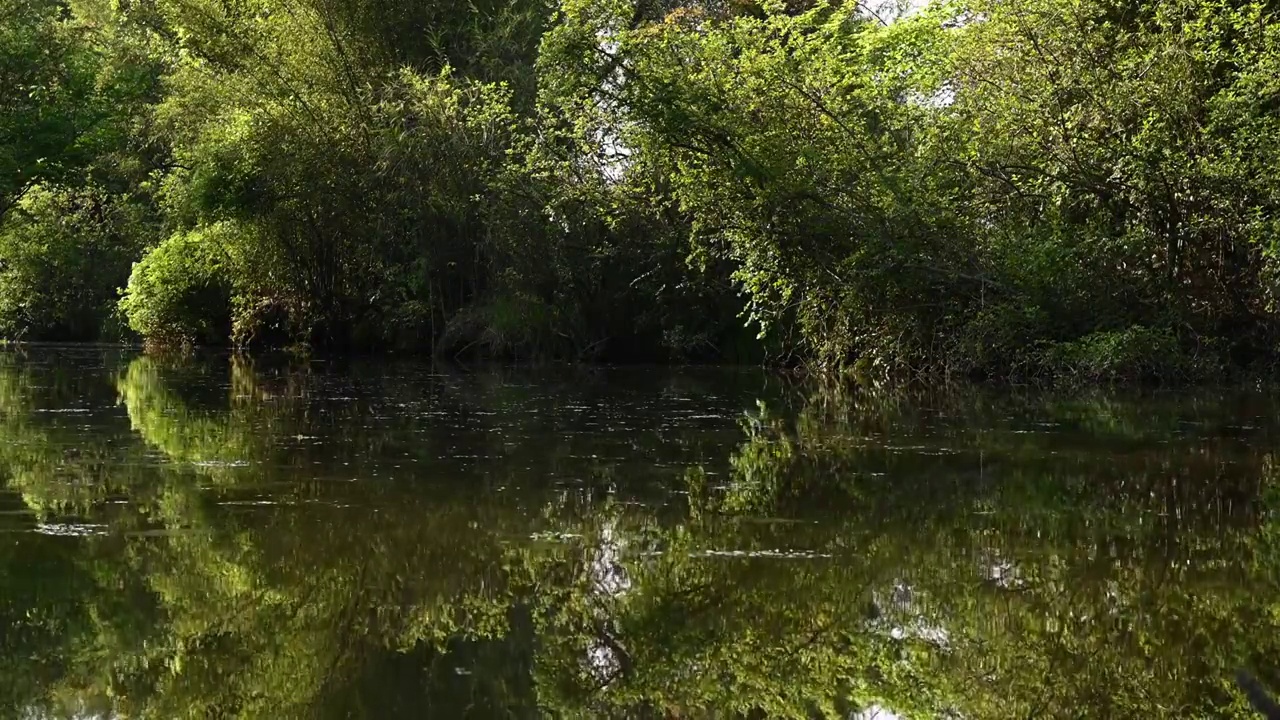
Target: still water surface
pixel 224 538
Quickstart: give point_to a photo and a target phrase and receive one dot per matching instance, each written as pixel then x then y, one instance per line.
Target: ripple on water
pixel 765 554
pixel 71 529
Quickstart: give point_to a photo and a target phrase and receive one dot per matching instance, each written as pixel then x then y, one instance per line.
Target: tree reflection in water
pixel 225 538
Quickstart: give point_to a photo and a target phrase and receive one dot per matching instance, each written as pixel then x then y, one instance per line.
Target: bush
pixel 181 292
pixel 1138 353
pixel 507 326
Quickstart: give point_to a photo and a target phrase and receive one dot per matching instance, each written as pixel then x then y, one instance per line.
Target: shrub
pixel 181 291
pixel 1138 353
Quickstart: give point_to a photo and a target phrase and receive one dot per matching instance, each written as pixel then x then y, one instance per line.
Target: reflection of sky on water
pixel 37 714
pixel 875 712
pixel 609 579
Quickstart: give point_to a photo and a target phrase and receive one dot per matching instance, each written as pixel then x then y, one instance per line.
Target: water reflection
pixel 266 539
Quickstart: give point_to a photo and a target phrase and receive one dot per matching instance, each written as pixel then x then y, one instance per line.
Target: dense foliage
pixel 1004 188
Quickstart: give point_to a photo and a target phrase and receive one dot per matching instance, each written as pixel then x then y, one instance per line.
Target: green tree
pixel 75 163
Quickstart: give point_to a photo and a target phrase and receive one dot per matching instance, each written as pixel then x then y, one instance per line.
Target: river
pixel 220 537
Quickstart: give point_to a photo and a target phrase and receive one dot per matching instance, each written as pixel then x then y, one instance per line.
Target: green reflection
pixel 259 540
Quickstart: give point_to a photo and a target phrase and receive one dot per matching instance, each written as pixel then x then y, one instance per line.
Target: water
pixel 219 538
